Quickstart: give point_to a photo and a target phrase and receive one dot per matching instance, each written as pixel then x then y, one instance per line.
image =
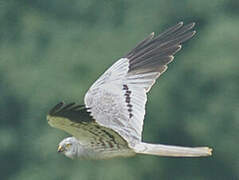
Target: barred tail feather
pixel 174 151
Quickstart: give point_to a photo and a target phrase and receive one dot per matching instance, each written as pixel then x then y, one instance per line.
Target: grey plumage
pixel 111 121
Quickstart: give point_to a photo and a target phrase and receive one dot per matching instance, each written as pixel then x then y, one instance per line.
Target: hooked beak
pixel 60 149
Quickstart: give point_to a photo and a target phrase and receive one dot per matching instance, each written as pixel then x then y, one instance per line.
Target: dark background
pixel 54 50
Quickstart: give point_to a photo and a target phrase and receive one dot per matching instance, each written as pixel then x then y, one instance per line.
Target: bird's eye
pixel 68 145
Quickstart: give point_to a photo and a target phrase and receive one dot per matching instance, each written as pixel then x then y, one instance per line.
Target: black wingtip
pixel 71 111
pixel 61 108
pixel 56 108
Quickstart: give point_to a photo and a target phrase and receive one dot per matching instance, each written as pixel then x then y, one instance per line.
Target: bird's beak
pixel 60 149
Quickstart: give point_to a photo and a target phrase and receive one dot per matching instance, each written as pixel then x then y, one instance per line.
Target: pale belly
pixel 108 153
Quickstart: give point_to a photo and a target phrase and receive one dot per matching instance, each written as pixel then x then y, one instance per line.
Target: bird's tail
pixel 175 151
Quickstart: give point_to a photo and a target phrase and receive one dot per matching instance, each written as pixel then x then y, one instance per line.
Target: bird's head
pixel 69 147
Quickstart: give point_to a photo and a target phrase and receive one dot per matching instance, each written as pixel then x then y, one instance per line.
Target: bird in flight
pixel 110 122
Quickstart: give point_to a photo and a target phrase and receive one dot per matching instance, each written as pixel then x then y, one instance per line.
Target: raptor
pixel 110 122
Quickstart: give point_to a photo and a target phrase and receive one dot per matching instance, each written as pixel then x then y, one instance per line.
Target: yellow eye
pixel 68 145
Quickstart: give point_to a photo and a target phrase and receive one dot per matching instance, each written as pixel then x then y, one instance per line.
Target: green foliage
pixel 54 50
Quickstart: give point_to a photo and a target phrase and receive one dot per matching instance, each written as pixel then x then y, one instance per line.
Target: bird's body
pixel 110 122
pixel 90 152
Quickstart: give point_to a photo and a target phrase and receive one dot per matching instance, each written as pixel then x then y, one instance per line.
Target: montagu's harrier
pixel 110 122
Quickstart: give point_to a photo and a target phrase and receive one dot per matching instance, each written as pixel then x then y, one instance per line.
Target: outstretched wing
pixel 75 120
pixel 117 99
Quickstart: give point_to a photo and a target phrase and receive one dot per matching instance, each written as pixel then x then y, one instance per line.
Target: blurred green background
pixel 54 50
